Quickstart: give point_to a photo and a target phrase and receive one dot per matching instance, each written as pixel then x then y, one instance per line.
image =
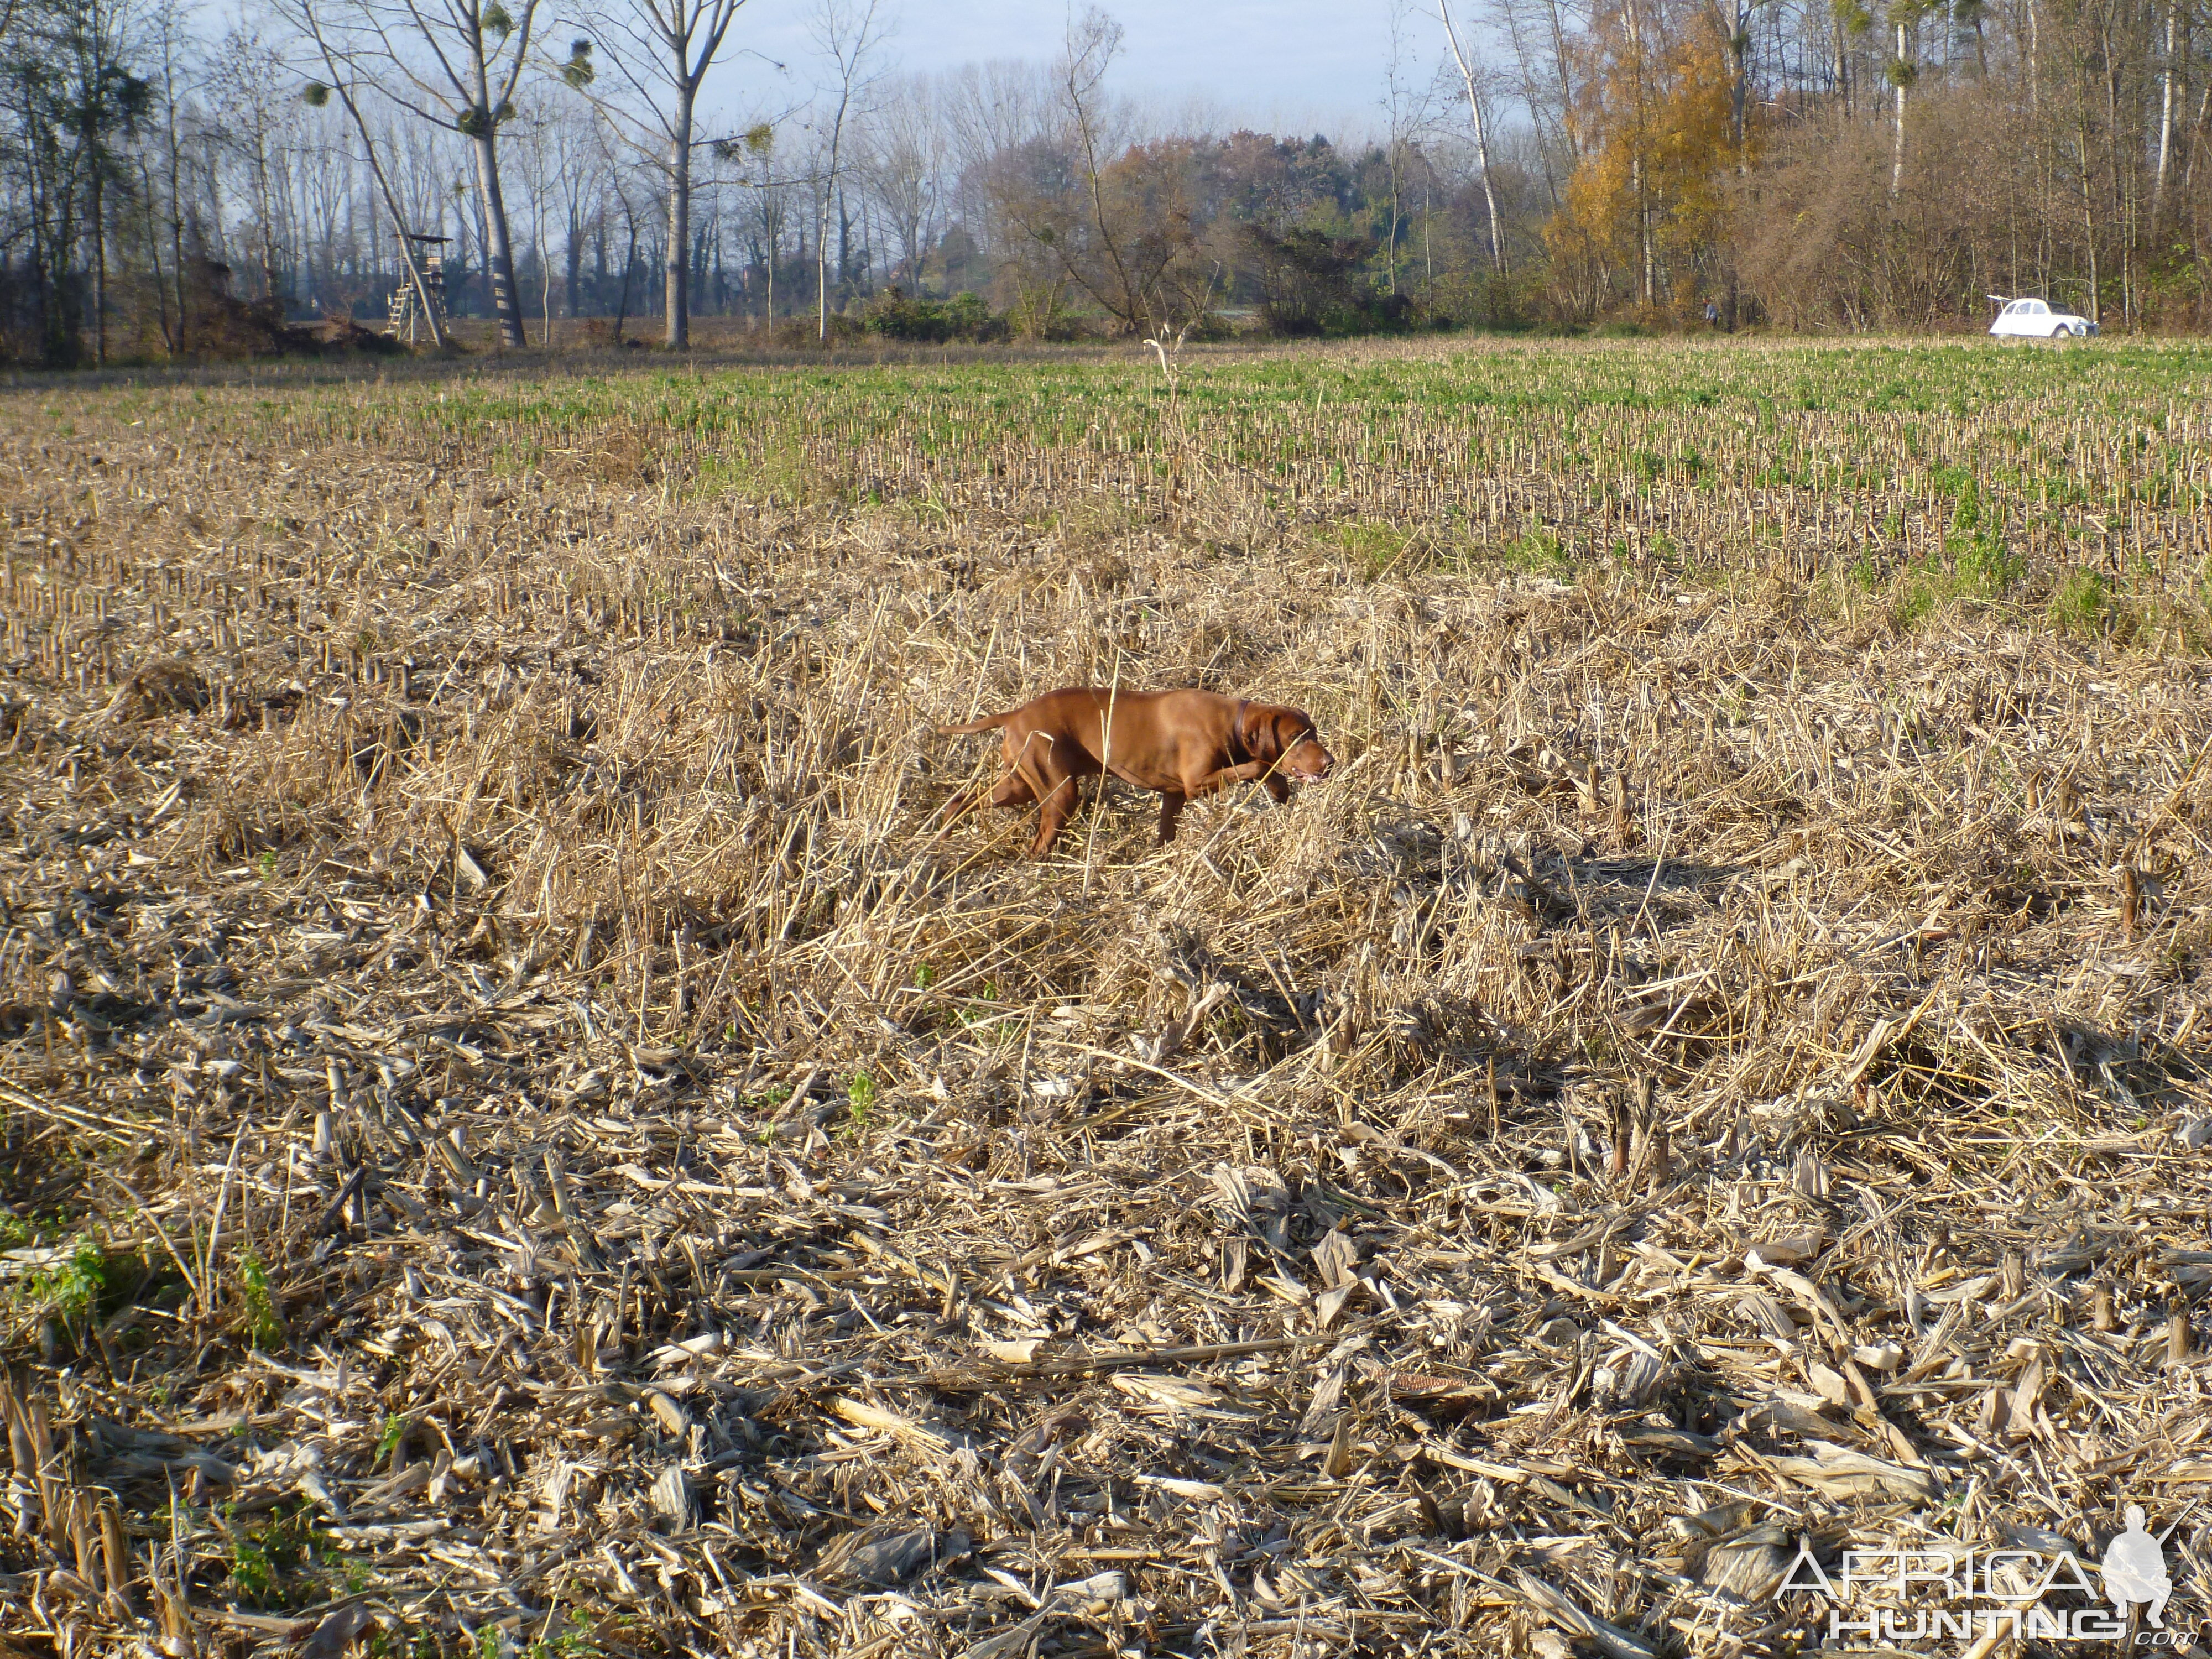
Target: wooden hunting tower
pixel 406 306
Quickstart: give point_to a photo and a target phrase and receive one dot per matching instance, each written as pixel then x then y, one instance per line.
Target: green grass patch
pixel 2080 602
pixel 282 1562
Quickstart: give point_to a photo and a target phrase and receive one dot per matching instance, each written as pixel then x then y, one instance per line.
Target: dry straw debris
pixel 520 1136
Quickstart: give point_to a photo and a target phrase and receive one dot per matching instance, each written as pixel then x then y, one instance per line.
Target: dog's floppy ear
pixel 1257 731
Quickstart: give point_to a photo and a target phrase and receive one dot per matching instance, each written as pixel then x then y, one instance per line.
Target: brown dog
pixel 1184 743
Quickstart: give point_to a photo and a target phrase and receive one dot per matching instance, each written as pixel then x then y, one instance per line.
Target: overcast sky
pixel 1286 66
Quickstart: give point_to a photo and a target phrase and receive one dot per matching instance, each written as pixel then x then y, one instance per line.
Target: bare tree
pixel 627 200
pixel 71 101
pixel 1093 43
pixel 848 33
pixel 2165 113
pixel 672 44
pixel 537 145
pixel 991 111
pixel 903 167
pixel 455 64
pixel 318 93
pixel 247 83
pixel 1903 72
pixel 1545 88
pixel 1122 223
pixel 1469 73
pixel 169 25
pixel 772 209
pixel 580 184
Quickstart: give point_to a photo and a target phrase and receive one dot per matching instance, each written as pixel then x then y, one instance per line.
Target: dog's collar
pixel 1244 707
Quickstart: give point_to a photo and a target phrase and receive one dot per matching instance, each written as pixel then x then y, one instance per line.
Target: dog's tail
pixel 992 723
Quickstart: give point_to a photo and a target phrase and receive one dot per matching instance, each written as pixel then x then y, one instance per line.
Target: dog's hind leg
pixel 1012 790
pixel 1059 802
pixel 1060 769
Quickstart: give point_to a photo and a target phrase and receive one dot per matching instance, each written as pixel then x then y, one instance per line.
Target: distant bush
pixel 602 334
pixel 1312 283
pixel 1486 299
pixel 802 331
pixel 963 317
pixel 1039 310
pixel 50 326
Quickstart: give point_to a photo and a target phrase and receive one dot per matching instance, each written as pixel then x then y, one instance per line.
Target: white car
pixel 2034 320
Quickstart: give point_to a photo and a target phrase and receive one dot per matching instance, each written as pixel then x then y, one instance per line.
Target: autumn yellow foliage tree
pixel 1656 138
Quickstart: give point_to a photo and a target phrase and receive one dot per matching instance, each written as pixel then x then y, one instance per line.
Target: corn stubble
pixel 1719 1063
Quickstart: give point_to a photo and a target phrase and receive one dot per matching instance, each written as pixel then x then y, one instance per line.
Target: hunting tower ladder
pixel 406 308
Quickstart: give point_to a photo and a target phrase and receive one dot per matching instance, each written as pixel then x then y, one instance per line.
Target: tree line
pixel 176 184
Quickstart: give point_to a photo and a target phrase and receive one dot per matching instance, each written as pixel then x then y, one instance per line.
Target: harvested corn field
pixel 523 1134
